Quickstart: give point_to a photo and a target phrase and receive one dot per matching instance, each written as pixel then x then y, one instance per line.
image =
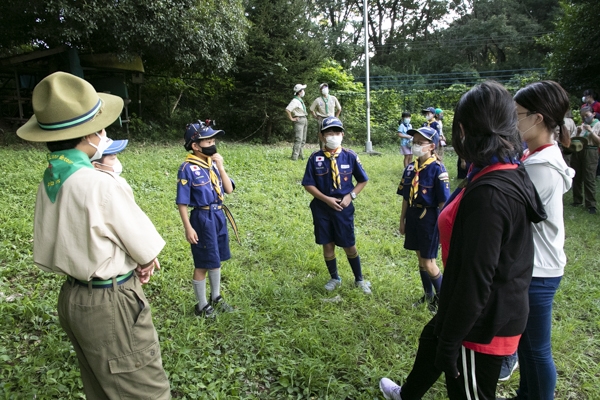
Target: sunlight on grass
pixel 285 339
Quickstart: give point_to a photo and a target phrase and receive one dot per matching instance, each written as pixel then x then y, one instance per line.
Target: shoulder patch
pixel 183 181
pixel 319 158
pixel 410 167
pixel 194 167
pixel 443 176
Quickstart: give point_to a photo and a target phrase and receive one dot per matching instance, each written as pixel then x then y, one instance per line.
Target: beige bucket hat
pixel 67 107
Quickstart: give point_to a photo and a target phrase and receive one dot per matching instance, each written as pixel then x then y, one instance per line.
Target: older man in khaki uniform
pixel 296 112
pixel 325 106
pixel 88 227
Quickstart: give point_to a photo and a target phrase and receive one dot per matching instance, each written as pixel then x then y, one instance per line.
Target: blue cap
pixel 427 132
pixel 199 130
pixel 331 122
pixel 116 147
pixel 429 109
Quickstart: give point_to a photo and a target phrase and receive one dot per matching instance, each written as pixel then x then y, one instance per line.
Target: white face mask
pixel 117 167
pixel 301 94
pixel 583 99
pixel 333 142
pixel 104 144
pixel 429 117
pixel 418 151
pixel 325 91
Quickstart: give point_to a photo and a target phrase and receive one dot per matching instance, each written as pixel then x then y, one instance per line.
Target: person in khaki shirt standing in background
pixel 296 112
pixel 89 228
pixel 325 106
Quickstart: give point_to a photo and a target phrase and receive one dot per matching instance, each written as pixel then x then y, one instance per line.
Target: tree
pixel 170 35
pixel 575 46
pixel 284 50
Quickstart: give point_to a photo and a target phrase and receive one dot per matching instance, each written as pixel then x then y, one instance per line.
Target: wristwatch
pixel 353 195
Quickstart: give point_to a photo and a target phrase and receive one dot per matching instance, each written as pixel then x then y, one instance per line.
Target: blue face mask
pixel 406 121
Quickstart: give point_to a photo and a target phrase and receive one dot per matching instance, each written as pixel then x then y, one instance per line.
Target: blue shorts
pixel 333 226
pixel 420 232
pixel 213 238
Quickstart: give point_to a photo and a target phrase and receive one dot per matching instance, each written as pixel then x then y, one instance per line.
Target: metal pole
pixel 368 145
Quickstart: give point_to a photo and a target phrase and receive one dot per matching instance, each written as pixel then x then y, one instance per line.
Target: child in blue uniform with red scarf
pixel 425 189
pixel 328 178
pixel 201 183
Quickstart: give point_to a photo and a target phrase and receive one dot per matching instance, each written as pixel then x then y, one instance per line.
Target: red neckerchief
pixel 527 153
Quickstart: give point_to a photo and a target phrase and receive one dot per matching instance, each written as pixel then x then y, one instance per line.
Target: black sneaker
pixel 592 210
pixel 432 304
pixel 220 305
pixel 206 312
pixel 425 299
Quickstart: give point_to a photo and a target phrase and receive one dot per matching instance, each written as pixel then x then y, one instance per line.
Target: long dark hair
pixel 550 100
pixel 488 116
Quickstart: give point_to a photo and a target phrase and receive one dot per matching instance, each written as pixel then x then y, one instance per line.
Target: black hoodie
pixel 487 274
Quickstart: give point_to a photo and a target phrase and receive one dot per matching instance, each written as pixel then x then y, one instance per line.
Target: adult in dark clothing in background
pixel 487 249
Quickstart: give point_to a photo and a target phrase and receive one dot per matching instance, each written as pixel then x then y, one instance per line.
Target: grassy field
pixel 288 339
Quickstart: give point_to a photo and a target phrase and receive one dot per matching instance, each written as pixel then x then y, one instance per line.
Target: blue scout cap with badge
pixel 428 109
pixel 427 132
pixel 199 130
pixel 332 122
pixel 115 147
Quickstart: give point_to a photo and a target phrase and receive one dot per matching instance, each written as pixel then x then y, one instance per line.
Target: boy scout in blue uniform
pixel 328 178
pixel 201 183
pixel 425 189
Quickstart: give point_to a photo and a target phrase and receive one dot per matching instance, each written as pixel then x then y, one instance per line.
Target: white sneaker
pixel 390 390
pixel 364 285
pixel 332 284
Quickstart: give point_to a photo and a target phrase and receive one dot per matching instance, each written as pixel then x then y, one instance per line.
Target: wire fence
pixel 429 81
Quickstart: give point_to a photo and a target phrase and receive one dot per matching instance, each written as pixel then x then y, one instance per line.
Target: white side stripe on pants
pixel 465 373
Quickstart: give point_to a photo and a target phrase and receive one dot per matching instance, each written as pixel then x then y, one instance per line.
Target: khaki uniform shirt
pixel 296 108
pixel 319 106
pixel 94 229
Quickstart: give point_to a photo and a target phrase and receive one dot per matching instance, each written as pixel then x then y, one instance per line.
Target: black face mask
pixel 209 151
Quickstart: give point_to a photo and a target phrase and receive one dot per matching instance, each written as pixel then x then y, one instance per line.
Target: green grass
pixel 284 341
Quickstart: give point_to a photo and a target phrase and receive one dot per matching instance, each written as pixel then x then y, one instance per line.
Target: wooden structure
pixel 19 74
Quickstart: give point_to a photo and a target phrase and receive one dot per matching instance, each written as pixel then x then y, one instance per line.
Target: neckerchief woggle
pixel 61 165
pixel 207 164
pixel 414 187
pixel 335 172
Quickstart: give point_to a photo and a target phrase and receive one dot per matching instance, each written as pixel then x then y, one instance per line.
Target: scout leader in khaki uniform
pixel 89 228
pixel 325 106
pixel 296 112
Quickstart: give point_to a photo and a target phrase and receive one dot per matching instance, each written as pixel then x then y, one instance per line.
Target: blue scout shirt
pixel 318 172
pixel 194 187
pixel 434 187
pixel 433 125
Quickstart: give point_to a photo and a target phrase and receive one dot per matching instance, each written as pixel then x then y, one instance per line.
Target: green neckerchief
pixel 326 104
pixel 61 165
pixel 302 102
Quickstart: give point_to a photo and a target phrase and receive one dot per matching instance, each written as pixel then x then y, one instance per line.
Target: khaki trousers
pixel 300 129
pixel 116 344
pixel 584 163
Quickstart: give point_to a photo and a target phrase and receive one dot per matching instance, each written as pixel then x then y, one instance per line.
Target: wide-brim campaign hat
pixel 116 147
pixel 427 132
pixel 67 107
pixel 577 144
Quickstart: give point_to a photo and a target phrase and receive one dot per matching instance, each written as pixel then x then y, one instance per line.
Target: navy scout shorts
pixel 213 238
pixel 420 232
pixel 333 226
